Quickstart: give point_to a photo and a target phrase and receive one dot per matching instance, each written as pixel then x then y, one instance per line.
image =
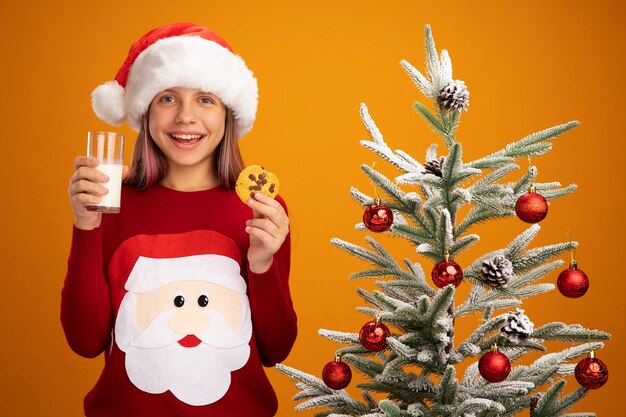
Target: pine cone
pixel 534 402
pixel 434 166
pixel 454 96
pixel 518 326
pixel 497 271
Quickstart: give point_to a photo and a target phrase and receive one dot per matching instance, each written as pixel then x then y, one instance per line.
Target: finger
pixel 278 218
pixel 267 200
pixel 80 161
pixel 88 173
pixel 260 234
pixel 266 225
pixel 269 208
pixel 81 199
pixel 85 186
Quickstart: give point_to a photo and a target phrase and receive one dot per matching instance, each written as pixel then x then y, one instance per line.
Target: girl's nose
pixel 185 114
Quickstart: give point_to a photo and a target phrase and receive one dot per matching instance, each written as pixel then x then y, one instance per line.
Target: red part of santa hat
pixel 143 263
pixel 178 55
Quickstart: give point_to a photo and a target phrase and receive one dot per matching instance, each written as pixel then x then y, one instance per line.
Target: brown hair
pixel 148 163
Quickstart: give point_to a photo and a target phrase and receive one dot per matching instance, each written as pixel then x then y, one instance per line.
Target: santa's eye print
pixel 203 300
pixel 179 301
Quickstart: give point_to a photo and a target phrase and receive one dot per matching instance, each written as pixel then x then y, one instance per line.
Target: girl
pixel 186 289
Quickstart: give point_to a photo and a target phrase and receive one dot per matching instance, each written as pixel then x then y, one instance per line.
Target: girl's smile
pixel 186 140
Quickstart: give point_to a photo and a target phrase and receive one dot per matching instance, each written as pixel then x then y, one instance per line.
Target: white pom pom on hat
pixel 178 55
pixel 108 102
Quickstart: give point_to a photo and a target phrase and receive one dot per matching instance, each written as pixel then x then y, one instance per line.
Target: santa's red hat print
pixel 185 316
pixel 178 55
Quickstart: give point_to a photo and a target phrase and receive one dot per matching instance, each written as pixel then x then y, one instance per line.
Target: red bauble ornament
pixel 494 366
pixel 378 217
pixel 373 335
pixel 336 374
pixel 531 207
pixel 572 282
pixel 447 272
pixel 591 372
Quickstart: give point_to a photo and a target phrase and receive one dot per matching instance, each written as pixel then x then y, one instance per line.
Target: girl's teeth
pixel 186 137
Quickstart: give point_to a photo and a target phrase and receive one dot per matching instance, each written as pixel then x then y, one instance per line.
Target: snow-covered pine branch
pixel 469 347
pixel 448 387
pixel 484 210
pixel 480 299
pixel 307 379
pixel 438 322
pixel 473 406
pixel 435 123
pixel 521 261
pixel 369 367
pixel 360 252
pixel 547 405
pixel 480 388
pixel 420 81
pixel 568 333
pixel 379 146
pixel 413 289
pixel 339 337
pixel 445 239
pixel 432 62
pixel 534 145
pixel 523 147
pixel 535 274
pixel 555 359
pixel 491 162
pixel 415 235
pixel 453 170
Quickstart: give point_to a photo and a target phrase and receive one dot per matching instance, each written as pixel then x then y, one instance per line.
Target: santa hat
pixel 178 55
pixel 147 262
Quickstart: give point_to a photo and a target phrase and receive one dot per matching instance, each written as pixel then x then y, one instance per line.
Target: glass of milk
pixel 108 148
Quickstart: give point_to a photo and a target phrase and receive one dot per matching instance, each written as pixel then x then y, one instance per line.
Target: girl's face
pixel 187 125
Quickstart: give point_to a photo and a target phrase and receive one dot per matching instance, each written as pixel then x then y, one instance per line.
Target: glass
pixel 108 148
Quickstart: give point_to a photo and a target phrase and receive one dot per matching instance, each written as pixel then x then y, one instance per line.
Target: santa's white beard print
pixel 156 362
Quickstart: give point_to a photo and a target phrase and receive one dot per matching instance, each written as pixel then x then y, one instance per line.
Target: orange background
pixel 528 66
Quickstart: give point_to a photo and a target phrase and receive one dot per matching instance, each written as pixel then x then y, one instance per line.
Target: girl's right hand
pixel 85 189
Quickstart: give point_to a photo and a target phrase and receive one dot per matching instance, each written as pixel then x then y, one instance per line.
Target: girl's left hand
pixel 268 230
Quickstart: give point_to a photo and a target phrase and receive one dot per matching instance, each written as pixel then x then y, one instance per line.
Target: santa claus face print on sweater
pixel 184 323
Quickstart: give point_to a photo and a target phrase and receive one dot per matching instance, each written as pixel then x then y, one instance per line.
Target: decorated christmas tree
pixel 407 351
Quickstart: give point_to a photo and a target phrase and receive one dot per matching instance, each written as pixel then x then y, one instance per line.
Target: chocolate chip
pixel 259 181
pixel 252 177
pixel 262 176
pixel 252 187
pixel 272 188
pixel 252 194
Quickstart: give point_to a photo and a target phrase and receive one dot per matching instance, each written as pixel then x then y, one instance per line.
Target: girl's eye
pixel 166 99
pixel 206 100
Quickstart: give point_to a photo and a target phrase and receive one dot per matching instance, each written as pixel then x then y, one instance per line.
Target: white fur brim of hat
pixel 186 62
pixel 151 273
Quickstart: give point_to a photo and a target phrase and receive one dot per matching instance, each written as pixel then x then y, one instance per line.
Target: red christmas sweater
pixel 102 307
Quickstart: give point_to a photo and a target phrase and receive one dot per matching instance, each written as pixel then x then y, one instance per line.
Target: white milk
pixel 114 185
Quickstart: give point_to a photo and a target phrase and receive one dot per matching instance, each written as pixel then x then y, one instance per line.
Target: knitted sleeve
pixel 86 313
pixel 273 316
